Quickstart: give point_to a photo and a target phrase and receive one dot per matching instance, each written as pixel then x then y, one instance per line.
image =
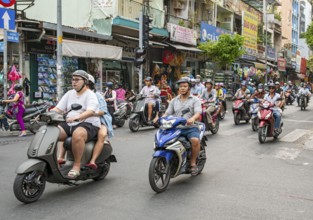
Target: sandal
pixel 73 174
pixel 91 166
pixel 61 161
pixel 194 170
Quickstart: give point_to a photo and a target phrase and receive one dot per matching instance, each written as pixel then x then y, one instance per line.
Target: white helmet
pixel 91 79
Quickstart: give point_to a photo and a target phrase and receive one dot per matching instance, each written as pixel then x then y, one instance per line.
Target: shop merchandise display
pixel 70 64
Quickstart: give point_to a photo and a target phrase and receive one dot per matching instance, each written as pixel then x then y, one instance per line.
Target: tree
pixel 310 63
pixel 225 50
pixel 309 36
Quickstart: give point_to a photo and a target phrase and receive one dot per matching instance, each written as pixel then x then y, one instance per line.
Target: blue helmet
pixel 109 85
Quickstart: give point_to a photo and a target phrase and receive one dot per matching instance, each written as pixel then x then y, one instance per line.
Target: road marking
pixel 300 121
pixel 294 135
pixel 287 153
pixel 308 145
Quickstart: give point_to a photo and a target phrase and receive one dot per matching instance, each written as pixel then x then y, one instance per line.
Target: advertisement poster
pixel 182 34
pixel 210 32
pixel 250 32
pixel 179 9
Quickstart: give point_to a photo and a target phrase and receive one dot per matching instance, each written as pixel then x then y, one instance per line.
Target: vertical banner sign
pixel 250 32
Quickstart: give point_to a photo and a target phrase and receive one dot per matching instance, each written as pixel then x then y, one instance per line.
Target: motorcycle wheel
pixel 254 124
pixel 104 171
pixel 29 187
pixel 201 159
pixel 262 134
pixel 214 130
pixel 34 126
pixel 237 118
pixel 134 124
pixel 120 123
pixel 159 174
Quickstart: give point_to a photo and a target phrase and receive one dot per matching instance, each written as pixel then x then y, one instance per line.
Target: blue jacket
pixel 105 119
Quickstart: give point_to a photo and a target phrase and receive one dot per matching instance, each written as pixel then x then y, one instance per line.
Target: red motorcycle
pixel 239 111
pixel 266 122
pixel 214 115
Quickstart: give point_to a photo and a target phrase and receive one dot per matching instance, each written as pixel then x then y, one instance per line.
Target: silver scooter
pixel 42 165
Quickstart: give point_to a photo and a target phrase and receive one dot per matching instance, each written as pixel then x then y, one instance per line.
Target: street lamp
pixel 265 3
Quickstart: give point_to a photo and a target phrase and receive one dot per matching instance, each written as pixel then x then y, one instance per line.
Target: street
pixel 242 179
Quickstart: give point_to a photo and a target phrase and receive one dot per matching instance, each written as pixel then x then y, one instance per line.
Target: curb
pixel 12 133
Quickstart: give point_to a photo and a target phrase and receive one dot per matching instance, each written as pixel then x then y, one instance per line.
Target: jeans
pixel 277 117
pixel 4 122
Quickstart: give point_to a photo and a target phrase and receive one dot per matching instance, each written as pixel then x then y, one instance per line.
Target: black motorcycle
pixel 139 116
pixel 123 112
pixel 303 101
pixel 30 117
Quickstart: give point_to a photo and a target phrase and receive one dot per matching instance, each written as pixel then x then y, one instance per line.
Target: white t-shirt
pixel 88 100
pixel 273 100
pixel 150 92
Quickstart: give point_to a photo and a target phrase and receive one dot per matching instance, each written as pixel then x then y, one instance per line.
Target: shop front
pixel 76 55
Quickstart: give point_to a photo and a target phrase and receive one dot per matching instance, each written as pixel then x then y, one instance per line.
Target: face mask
pixel 260 90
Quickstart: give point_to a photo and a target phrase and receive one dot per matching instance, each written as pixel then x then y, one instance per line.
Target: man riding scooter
pixel 209 95
pixel 275 99
pixel 152 93
pixel 191 131
pixel 82 125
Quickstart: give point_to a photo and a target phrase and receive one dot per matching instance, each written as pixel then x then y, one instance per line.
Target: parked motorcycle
pixel 173 152
pixel 30 117
pixel 42 164
pixel 239 111
pixel 267 121
pixel 254 108
pixel 122 113
pixel 215 116
pixel 139 115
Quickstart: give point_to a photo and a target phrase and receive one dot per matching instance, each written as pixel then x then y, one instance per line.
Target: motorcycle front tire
pixel 134 124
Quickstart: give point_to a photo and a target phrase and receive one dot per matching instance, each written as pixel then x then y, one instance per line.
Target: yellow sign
pixel 250 32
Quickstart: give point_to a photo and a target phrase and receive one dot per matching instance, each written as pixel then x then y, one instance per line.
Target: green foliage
pixel 310 64
pixel 277 16
pixel 181 23
pixel 309 36
pixel 225 50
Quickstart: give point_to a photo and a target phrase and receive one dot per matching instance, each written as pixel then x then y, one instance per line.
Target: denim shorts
pixel 190 133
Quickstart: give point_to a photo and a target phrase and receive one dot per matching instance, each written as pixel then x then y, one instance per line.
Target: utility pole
pixel 265 18
pixel 5 62
pixel 60 80
pixel 140 47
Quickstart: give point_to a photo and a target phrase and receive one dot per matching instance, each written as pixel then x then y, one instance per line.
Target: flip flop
pixel 61 161
pixel 194 170
pixel 92 166
pixel 73 174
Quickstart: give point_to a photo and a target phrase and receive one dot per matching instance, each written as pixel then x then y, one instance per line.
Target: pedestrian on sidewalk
pixel 17 108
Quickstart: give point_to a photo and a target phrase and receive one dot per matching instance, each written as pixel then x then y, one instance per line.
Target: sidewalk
pixel 12 133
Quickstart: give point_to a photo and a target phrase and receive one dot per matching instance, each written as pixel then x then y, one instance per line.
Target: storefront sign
pixel 210 32
pixel 298 63
pixel 281 64
pixel 271 53
pixel 303 66
pixel 182 35
pixel 250 32
pixel 43 47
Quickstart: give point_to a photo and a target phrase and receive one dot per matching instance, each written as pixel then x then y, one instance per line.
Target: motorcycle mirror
pixel 76 107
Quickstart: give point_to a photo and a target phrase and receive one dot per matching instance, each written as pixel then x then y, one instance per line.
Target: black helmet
pixel 82 74
pixel 18 87
pixel 120 85
pixel 184 80
pixel 109 85
pixel 208 81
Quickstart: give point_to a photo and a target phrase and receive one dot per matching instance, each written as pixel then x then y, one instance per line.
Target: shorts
pixel 190 133
pixel 92 131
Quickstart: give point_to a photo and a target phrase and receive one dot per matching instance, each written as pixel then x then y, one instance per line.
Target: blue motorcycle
pixel 173 152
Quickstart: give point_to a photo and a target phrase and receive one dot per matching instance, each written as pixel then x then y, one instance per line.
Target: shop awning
pixel 181 47
pixel 151 43
pixel 259 65
pixel 268 63
pixel 83 49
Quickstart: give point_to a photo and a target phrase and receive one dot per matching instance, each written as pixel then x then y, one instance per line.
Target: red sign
pixel 303 66
pixel 281 64
pixel 7 3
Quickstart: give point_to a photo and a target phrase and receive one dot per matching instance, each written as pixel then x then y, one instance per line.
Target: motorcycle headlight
pixel 259 114
pixel 166 124
pixel 268 115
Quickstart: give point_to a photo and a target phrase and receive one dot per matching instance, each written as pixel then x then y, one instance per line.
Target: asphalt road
pixel 242 179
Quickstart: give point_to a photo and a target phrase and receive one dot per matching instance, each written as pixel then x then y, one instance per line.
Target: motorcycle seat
pixel 29 110
pixel 68 143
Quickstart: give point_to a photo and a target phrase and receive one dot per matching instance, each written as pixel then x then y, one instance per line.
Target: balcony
pixel 302 5
pixel 131 9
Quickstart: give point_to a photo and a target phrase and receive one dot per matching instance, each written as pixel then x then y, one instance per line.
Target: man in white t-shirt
pixel 81 124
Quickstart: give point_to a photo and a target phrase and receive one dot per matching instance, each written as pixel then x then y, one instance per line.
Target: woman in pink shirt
pixel 120 94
